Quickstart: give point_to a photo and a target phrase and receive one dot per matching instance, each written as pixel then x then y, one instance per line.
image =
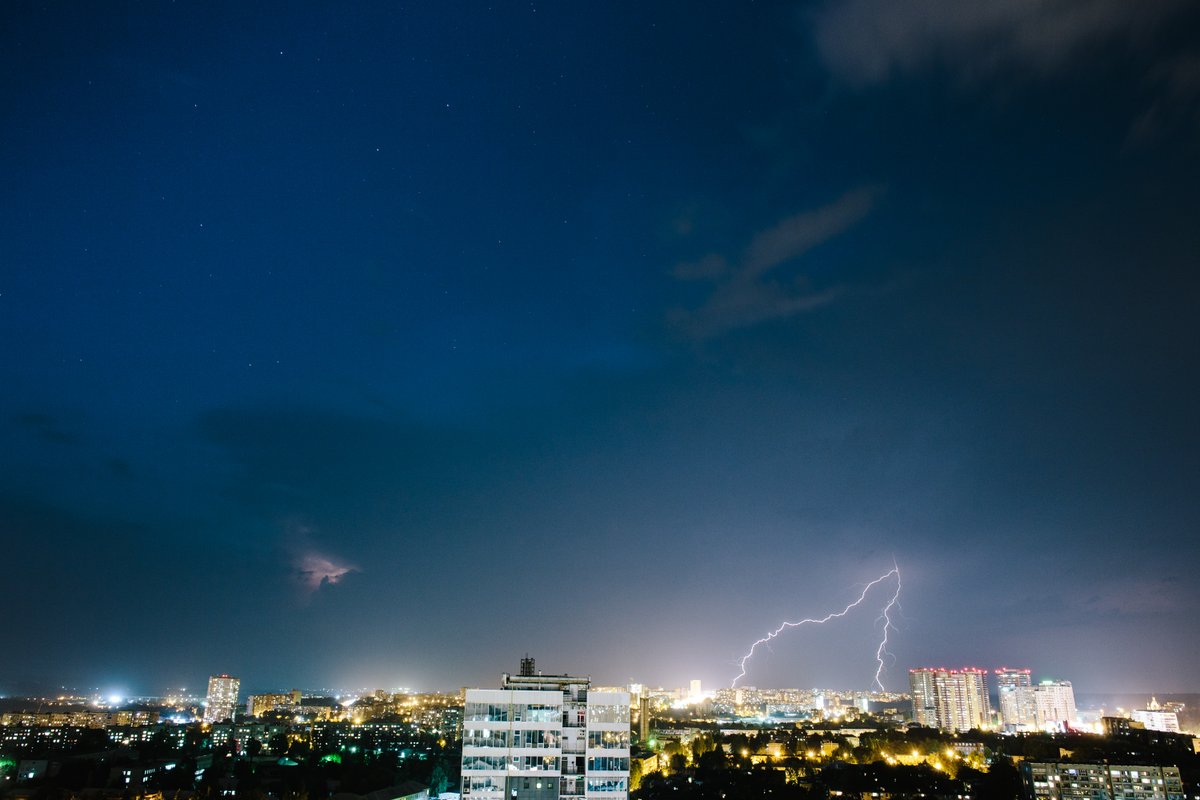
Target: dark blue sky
pixel 379 346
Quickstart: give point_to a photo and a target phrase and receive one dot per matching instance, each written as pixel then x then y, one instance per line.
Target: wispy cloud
pixel 1135 595
pixel 1175 86
pixel 750 292
pixel 867 41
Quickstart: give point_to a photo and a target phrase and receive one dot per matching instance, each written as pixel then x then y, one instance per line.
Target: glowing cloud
pixel 315 570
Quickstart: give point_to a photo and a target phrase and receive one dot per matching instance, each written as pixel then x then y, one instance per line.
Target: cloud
pixel 866 42
pixel 315 570
pixel 748 294
pixel 313 567
pixel 708 268
pixel 1175 85
pixel 1135 595
pixel 799 233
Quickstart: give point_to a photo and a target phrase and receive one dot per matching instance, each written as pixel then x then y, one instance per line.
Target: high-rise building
pixel 1055 704
pixel 950 699
pixel 643 720
pixel 222 698
pixel 924 697
pixel 545 737
pixel 1014 688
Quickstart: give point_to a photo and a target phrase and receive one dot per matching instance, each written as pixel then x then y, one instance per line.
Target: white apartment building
pixel 1156 718
pixel 1018 708
pixel 1055 704
pixel 545 737
pixel 950 699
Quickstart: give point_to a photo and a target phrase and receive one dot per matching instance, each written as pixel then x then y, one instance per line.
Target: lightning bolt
pixel 880 652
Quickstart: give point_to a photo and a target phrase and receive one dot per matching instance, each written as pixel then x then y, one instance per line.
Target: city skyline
pixel 117 694
pixel 366 347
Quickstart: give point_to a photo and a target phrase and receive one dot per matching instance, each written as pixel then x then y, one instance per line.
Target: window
pixel 536 712
pixel 485 712
pixel 535 738
pixel 539 763
pixel 608 739
pixel 485 737
pixel 484 783
pixel 608 713
pixel 606 785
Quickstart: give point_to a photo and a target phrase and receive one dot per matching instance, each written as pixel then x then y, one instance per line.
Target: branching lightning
pixel 880 652
pixel 885 615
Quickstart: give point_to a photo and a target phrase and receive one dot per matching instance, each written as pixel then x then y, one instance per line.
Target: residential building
pixel 259 704
pixel 545 737
pixel 1059 781
pixel 222 698
pixel 1014 688
pixel 1054 703
pixel 1156 718
pixel 950 699
pixel 924 697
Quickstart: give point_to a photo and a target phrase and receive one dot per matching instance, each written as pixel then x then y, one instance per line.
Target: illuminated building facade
pixel 82 719
pixel 222 698
pixel 259 704
pixel 1156 718
pixel 545 737
pixel 1018 709
pixel 924 697
pixel 1055 781
pixel 1055 704
pixel 950 699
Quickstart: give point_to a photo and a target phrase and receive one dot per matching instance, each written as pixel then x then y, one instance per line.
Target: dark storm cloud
pixel 868 41
pixel 1174 86
pixel 753 290
pixel 123 602
pixel 255 300
pixel 92 587
pixel 308 461
pixel 47 428
pixel 120 467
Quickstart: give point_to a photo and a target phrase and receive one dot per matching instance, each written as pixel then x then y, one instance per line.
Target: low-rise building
pixel 1066 781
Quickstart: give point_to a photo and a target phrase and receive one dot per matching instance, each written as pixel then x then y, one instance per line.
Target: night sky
pixel 379 345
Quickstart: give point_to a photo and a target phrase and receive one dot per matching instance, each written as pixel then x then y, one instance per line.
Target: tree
pixel 701 744
pixel 635 774
pixel 439 780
